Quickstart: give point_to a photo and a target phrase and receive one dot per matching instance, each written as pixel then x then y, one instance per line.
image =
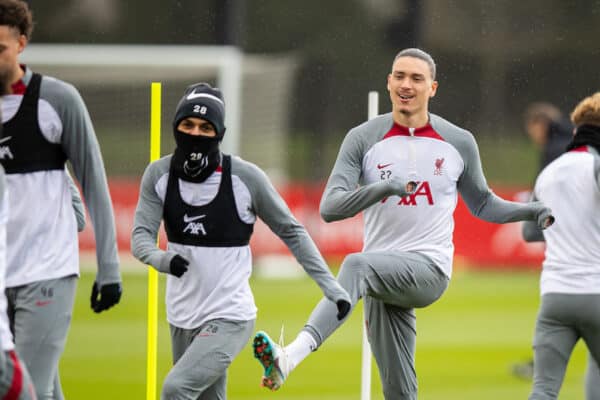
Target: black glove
pixel 343 309
pixel 110 294
pixel 178 266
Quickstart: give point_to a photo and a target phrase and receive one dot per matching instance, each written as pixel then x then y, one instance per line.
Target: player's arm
pixel 343 197
pixel 77 203
pixel 83 151
pixel 270 207
pixel 530 230
pixel 146 223
pixel 79 143
pixel 483 203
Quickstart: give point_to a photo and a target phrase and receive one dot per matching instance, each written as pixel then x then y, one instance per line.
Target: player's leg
pixel 592 380
pixel 57 387
pixel 201 358
pixel 590 332
pixel 15 382
pixel 41 318
pixel 404 279
pixel 553 342
pixel 408 280
pixel 392 335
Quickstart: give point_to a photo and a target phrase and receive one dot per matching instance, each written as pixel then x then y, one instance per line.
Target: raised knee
pixel 170 390
pixel 354 262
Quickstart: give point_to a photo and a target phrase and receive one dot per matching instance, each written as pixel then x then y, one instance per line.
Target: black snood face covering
pixel 195 157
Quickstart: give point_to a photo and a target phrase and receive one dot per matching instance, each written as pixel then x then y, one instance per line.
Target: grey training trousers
pixel 40 316
pixel 201 358
pixel 562 320
pixel 393 284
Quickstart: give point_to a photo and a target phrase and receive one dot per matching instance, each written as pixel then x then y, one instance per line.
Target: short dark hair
pixel 16 14
pixel 420 54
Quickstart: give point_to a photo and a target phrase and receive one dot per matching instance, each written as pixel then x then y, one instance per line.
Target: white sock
pixel 300 348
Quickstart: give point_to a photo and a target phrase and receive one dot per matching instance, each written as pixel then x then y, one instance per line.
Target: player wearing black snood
pixel 209 202
pixel 196 157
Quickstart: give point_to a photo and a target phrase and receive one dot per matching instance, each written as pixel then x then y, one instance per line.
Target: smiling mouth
pixel 405 96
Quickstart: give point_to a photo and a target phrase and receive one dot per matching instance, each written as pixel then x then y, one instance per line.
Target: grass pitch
pixel 466 343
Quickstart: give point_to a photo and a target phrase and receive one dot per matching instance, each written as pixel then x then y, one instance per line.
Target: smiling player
pixel 406 262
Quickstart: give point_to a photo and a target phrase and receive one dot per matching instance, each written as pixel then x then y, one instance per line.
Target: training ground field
pixel 466 343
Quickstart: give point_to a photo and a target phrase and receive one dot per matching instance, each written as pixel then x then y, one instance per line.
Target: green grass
pixel 466 343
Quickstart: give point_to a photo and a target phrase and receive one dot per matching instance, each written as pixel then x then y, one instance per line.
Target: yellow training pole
pixel 155 109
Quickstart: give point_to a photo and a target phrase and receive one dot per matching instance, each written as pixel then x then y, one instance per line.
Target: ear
pixel 434 86
pixel 22 42
pixel 389 77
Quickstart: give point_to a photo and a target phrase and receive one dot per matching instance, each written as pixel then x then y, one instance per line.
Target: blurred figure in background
pixel 549 130
pixel 570 279
pixel 15 382
pixel 46 123
pixel 209 202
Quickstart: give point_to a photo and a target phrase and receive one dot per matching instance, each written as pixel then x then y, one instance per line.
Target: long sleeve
pixel 272 209
pixel 343 197
pixel 482 202
pixel 83 151
pixel 146 222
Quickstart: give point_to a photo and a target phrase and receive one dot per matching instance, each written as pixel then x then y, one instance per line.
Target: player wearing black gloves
pixel 45 124
pixel 209 202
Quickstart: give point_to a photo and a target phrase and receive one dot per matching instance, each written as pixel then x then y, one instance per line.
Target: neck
pixel 15 75
pixel 411 120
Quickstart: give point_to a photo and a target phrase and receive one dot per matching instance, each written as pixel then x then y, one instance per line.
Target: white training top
pixel 442 158
pixel 216 285
pixel 204 294
pixel 572 260
pixel 6 341
pixel 426 216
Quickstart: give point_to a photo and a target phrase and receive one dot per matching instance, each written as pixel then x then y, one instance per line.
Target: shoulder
pixel 374 128
pixel 54 88
pixel 62 96
pixel 459 138
pixel 156 169
pixel 249 173
pixel 362 137
pixel 450 132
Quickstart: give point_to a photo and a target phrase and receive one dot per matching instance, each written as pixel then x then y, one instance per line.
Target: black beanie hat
pixel 201 100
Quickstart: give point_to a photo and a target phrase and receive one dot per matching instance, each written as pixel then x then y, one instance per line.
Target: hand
pixel 178 266
pixel 411 187
pixel 401 186
pixel 545 218
pixel 344 308
pixel 110 294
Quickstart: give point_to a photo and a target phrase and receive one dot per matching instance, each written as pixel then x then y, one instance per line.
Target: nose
pixel 195 131
pixel 405 82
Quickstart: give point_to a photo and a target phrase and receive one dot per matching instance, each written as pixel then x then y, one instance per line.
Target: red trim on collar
pixel 580 149
pixel 18 87
pixel 219 169
pixel 424 131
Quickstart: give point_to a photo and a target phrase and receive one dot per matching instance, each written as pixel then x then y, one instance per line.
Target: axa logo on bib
pixel 423 191
pixel 5 152
pixel 194 227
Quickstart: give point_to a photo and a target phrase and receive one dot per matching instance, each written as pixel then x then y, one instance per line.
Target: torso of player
pixel 42 231
pixel 422 221
pixel 6 342
pixel 568 186
pixel 216 285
